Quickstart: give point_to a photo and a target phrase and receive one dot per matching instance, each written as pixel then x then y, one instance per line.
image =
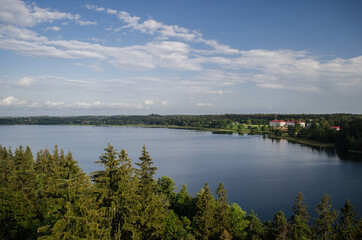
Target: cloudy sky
pixel 180 57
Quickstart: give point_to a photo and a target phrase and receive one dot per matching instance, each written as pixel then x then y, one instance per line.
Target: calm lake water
pixel 259 174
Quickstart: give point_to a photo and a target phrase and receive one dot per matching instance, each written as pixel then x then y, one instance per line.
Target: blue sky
pixel 180 57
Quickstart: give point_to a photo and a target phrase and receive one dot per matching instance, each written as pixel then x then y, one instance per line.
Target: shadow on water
pixel 329 151
pixel 350 156
pixel 222 132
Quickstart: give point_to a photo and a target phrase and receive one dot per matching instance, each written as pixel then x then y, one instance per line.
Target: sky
pixel 74 57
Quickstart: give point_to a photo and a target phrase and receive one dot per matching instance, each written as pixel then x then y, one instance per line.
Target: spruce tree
pixel 151 205
pixel 255 229
pixel 183 203
pixel 326 218
pixel 346 229
pixel 166 186
pixel 69 196
pixel 18 212
pixel 125 217
pixel 238 222
pixel 280 226
pixel 222 213
pixel 204 220
pixel 299 228
pixel 106 189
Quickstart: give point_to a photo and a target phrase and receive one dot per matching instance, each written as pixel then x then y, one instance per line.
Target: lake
pixel 259 174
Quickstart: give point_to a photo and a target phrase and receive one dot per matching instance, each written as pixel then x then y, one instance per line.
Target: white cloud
pixel 99 104
pixel 17 12
pixel 35 105
pixel 54 104
pixel 25 81
pixel 205 104
pixel 54 28
pixel 11 101
pixel 173 48
pixel 218 92
pixel 152 26
pixel 111 11
pixel 87 23
pixel 149 102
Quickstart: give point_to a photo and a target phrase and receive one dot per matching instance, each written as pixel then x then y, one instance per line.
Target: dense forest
pixel 349 138
pixel 204 121
pixel 50 197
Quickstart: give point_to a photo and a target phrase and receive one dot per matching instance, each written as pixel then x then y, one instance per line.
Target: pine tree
pixel 346 229
pixel 280 226
pixel 125 217
pixel 204 219
pixel 299 228
pixel 166 186
pixel 18 212
pixel 7 167
pixel 238 222
pixel 106 189
pixel 151 206
pixel 222 213
pixel 183 203
pixel 326 218
pixel 69 192
pixel 25 177
pixel 255 229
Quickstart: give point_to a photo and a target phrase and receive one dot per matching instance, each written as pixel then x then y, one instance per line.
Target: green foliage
pixel 222 212
pixel 184 205
pixel 299 228
pixel 280 226
pixel 239 223
pixel 151 206
pixel 348 224
pixel 53 198
pixel 174 228
pixel 326 218
pixel 17 215
pixel 255 229
pixel 167 187
pixel 204 221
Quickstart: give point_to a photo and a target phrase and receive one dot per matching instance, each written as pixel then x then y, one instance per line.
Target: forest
pixel 204 121
pixel 48 196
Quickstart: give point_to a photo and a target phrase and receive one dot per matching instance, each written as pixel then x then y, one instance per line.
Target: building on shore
pixel 282 123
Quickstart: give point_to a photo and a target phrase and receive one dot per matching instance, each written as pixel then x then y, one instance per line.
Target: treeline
pixel 52 198
pixel 204 121
pixel 348 138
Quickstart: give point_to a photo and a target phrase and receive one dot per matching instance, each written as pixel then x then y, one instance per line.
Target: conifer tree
pixel 204 220
pixel 299 228
pixel 166 186
pixel 125 217
pixel 255 229
pixel 69 190
pixel 151 208
pixel 183 203
pixel 346 229
pixel 106 188
pixel 18 215
pixel 222 213
pixel 326 218
pixel 280 226
pixel 25 177
pixel 7 167
pixel 238 222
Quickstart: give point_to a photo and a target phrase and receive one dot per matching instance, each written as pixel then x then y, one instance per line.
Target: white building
pixel 281 123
